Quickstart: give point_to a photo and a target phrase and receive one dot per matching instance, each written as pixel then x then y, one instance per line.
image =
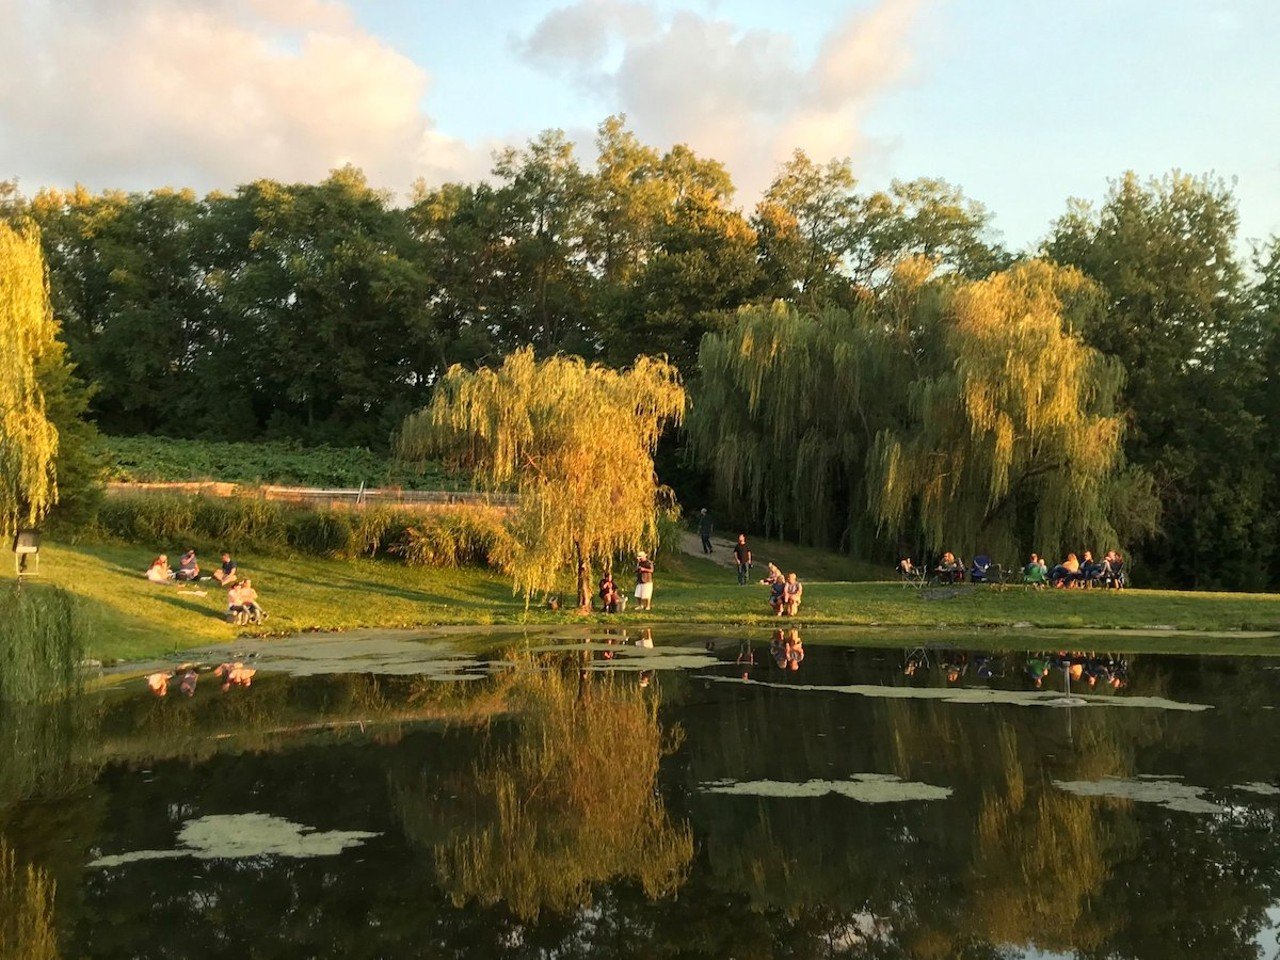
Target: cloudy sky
pixel 1021 102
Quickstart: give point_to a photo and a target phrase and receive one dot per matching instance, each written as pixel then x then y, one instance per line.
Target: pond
pixel 651 794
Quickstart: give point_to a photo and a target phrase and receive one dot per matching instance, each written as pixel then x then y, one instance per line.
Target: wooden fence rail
pixel 325 497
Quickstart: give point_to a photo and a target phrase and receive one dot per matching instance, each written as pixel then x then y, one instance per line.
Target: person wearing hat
pixel 644 581
pixel 704 530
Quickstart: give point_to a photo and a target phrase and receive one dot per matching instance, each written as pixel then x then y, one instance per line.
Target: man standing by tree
pixel 704 530
pixel 644 581
pixel 742 554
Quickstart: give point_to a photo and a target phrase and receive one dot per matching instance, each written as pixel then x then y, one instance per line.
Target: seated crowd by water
pixel 1074 572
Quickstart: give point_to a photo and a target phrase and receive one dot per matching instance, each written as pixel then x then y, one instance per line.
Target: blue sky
pixel 1021 104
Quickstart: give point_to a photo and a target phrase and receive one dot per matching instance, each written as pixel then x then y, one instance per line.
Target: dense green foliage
pixel 1199 346
pixel 325 313
pixel 151 459
pixel 172 522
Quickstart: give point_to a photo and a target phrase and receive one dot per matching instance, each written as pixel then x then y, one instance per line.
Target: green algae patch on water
pixel 1167 793
pixel 978 695
pixel 863 787
pixel 245 835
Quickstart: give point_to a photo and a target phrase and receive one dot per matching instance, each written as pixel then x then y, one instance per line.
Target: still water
pixel 653 796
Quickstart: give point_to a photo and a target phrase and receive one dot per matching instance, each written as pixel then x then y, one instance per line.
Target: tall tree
pixel 28 439
pixel 1175 315
pixel 822 241
pixel 576 442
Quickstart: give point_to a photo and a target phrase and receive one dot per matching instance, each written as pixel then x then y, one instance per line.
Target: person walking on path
pixel 704 530
pixel 644 581
pixel 742 554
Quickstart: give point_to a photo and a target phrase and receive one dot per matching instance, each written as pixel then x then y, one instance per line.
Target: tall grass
pixel 453 537
pixel 43 638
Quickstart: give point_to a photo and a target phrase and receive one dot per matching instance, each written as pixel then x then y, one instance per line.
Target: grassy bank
pixel 131 618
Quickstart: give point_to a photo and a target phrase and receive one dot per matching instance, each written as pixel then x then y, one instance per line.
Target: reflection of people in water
pixel 916 659
pixel 234 675
pixel 158 683
pixel 746 658
pixel 795 649
pixel 956 665
pixel 645 677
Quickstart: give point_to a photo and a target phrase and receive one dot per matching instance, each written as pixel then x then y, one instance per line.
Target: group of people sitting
pixel 1072 572
pixel 1078 572
pixel 785 592
pixel 242 599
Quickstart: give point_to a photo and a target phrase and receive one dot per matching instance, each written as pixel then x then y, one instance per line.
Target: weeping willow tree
pixel 560 812
pixel 28 440
pixel 1018 432
pixel 575 441
pixel 958 415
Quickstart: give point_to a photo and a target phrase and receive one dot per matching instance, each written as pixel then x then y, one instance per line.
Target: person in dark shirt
pixel 609 595
pixel 742 554
pixel 226 574
pixel 644 581
pixel 704 530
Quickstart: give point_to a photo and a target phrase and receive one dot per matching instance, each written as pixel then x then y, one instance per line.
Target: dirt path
pixel 721 549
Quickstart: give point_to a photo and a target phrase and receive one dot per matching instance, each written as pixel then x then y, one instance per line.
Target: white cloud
pixel 209 93
pixel 741 96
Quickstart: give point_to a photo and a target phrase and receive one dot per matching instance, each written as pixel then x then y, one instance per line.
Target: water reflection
pixel 568 801
pixel 565 805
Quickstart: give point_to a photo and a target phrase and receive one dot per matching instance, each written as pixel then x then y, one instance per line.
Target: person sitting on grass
pixel 226 574
pixel 159 571
pixel 1090 570
pixel 949 570
pixel 1066 573
pixel 1034 572
pixel 792 591
pixel 777 594
pixel 188 568
pixel 236 613
pixel 249 600
pixel 610 595
pixel 773 575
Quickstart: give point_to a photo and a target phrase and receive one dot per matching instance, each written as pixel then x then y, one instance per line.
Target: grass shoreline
pixel 133 619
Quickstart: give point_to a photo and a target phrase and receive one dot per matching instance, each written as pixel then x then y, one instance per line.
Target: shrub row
pixel 449 537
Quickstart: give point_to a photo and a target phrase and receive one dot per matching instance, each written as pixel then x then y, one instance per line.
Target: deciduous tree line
pixel 327 312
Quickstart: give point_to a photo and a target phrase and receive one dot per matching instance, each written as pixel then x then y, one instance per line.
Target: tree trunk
pixel 584 580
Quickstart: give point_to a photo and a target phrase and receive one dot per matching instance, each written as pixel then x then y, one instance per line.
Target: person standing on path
pixel 644 581
pixel 742 554
pixel 704 530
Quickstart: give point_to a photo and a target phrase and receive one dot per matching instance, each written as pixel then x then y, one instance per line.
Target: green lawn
pixel 136 619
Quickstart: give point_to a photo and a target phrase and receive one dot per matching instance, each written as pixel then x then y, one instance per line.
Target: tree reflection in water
pixel 570 801
pixel 27 894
